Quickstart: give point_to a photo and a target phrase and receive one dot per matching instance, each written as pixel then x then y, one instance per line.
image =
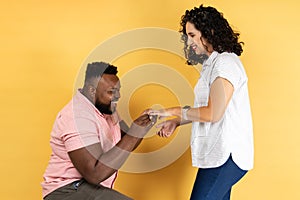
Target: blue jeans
pixel 216 183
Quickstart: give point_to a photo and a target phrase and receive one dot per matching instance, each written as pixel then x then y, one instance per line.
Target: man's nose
pixel 117 95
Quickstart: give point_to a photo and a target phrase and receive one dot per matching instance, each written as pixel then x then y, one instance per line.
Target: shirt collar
pixel 210 59
pixel 115 117
pixel 86 101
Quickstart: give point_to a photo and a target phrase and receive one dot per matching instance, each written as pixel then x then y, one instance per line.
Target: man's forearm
pixel 112 160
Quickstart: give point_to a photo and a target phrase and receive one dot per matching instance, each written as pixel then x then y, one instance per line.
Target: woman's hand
pixel 168 127
pixel 168 112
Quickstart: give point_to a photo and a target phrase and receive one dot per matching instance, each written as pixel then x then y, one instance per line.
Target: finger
pixel 151 123
pixel 160 133
pixel 168 134
pixel 153 118
pixel 144 117
pixel 158 112
pixel 147 111
pixel 143 122
pixel 146 122
pixel 153 112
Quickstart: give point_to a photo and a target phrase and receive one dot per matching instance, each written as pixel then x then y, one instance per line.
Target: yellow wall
pixel 44 43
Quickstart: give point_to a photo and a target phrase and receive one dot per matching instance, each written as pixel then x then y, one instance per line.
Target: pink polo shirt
pixel 78 124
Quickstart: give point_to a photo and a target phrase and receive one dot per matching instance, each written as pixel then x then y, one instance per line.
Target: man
pixel 87 145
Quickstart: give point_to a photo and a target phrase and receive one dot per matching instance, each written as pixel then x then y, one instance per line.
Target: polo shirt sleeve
pixel 227 68
pixel 79 132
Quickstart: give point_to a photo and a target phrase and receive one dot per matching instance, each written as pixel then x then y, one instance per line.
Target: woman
pixel 221 141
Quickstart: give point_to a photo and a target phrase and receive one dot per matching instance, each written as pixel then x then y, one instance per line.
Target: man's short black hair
pixel 96 69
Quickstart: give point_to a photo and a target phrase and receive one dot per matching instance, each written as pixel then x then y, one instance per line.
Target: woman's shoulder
pixel 227 57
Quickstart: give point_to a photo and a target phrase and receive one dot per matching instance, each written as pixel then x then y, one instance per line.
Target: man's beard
pixel 103 108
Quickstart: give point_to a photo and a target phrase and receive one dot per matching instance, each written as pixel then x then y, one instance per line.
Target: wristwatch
pixel 184 112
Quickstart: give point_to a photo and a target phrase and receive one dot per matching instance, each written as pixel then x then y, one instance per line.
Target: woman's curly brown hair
pixel 213 27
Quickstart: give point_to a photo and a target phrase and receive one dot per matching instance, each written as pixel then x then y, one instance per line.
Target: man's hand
pixel 140 126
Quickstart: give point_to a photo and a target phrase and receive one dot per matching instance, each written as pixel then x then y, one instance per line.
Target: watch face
pixel 186 107
pixel 184 112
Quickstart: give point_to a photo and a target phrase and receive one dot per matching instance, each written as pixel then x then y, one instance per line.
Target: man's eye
pixel 112 91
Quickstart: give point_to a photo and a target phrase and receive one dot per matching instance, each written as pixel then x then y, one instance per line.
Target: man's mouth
pixel 113 104
pixel 115 101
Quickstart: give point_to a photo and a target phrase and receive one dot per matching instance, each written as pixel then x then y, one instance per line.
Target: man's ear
pixel 92 90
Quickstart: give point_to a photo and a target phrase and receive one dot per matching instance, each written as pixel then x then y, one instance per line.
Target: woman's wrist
pixel 184 111
pixel 177 121
pixel 175 111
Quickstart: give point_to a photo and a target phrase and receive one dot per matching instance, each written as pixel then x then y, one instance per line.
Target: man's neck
pixel 84 91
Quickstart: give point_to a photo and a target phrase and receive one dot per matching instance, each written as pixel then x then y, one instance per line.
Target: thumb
pixel 147 111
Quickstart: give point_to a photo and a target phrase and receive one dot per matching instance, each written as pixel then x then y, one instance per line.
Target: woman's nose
pixel 189 41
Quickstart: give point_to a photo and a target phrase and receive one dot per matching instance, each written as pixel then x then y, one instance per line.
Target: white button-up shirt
pixel 212 143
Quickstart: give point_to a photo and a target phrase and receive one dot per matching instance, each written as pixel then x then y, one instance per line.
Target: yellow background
pixel 43 44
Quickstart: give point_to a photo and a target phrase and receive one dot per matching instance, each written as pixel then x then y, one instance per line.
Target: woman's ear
pixel 207 45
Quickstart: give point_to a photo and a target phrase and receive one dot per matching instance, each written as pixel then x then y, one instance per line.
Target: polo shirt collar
pixel 84 99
